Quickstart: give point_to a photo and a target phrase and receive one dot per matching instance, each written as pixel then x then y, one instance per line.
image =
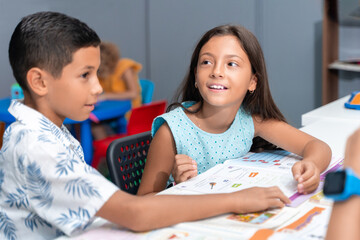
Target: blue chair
pixel 147 90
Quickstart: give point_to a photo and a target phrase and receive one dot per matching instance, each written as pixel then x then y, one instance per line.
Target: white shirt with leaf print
pixel 46 188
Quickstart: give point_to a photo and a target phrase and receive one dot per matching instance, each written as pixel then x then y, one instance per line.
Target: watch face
pixel 334 183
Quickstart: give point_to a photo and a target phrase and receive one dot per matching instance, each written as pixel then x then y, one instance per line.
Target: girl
pixel 226 102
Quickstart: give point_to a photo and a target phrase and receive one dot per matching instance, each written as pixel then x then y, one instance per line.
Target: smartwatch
pixel 340 185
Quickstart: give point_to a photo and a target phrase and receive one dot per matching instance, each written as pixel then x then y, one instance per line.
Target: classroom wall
pixel 161 34
pixel 292 33
pixel 10 14
pixel 172 44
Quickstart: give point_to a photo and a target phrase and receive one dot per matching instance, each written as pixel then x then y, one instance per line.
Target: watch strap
pixel 352 183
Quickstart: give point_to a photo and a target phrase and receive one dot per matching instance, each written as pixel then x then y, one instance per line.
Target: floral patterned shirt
pixel 46 188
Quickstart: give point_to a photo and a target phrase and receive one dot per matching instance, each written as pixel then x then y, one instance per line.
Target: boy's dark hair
pixel 260 102
pixel 47 40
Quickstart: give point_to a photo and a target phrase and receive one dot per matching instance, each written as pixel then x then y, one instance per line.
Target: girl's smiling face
pixel 223 73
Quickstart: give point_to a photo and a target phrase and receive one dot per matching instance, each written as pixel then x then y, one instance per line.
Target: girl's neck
pixel 213 119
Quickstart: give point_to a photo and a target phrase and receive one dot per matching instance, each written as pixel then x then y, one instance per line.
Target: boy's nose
pixel 97 88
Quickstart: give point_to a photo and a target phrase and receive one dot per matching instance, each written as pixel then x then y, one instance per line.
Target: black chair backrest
pixel 126 158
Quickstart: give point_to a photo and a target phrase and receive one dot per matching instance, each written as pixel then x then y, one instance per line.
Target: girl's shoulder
pixel 174 117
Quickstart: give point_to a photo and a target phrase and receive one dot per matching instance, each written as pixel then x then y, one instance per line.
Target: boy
pixel 46 188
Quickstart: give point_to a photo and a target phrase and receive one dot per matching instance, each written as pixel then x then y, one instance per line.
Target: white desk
pixel 333 131
pixel 331 123
pixel 332 111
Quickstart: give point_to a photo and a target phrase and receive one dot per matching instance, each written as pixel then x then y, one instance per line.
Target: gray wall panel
pixel 118 21
pixel 10 15
pixel 161 34
pixel 292 46
pixel 175 28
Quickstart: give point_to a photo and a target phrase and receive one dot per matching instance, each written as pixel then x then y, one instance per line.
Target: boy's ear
pixel 253 83
pixel 36 79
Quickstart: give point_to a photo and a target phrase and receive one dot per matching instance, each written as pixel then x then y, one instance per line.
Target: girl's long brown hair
pixel 259 103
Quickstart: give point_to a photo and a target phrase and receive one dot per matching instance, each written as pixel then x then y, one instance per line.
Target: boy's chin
pixel 83 118
pixel 80 118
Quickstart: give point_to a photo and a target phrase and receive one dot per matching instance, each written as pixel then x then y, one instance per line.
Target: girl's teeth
pixel 217 87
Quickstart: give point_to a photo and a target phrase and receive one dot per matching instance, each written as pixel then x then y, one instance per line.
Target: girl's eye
pixel 232 64
pixel 205 62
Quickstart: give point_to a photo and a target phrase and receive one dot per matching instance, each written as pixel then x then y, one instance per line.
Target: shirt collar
pixel 28 116
pixel 37 121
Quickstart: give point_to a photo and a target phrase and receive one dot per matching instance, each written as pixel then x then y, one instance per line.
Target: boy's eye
pixel 85 75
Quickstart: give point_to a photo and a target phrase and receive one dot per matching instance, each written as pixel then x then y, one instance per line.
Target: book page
pixel 265 219
pixel 226 178
pixel 311 224
pixel 275 159
pixel 265 169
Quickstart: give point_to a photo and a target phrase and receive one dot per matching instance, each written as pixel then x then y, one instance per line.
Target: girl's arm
pixel 132 91
pixel 162 161
pixel 142 213
pixel 316 154
pixel 159 162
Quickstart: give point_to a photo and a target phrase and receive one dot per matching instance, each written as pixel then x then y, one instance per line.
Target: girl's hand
pixel 259 198
pixel 307 175
pixel 184 168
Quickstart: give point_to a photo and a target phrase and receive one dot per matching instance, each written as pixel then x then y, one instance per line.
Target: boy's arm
pixel 316 154
pixel 142 213
pixel 345 216
pixel 159 162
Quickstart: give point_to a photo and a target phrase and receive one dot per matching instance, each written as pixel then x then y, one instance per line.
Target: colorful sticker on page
pixel 255 218
pixel 278 159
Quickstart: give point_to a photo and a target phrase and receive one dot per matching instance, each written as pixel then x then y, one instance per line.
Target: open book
pixel 265 169
pixel 255 169
pixel 269 168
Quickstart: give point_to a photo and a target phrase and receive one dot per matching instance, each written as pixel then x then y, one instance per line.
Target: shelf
pixel 337 13
pixel 338 65
pixel 330 54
